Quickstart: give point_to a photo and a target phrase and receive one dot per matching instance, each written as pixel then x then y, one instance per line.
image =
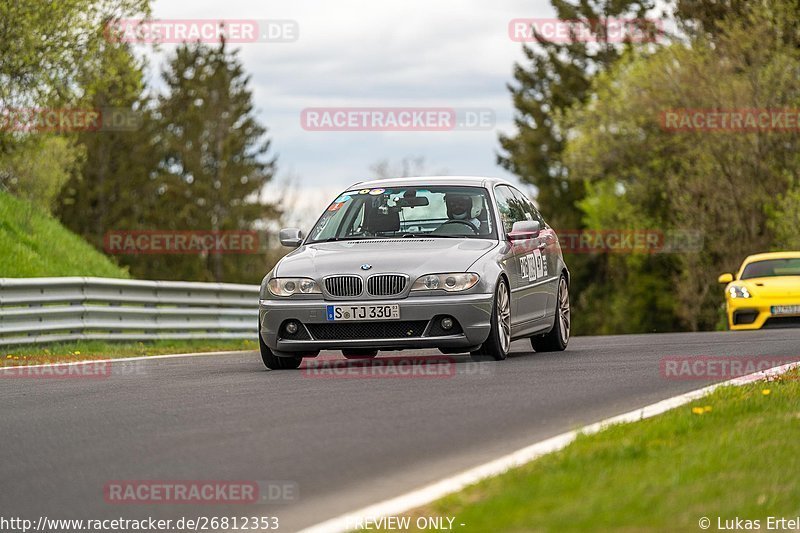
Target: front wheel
pixel 272 361
pixel 496 346
pixel 557 338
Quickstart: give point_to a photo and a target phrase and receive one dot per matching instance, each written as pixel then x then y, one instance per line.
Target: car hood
pixel 414 257
pixel 773 286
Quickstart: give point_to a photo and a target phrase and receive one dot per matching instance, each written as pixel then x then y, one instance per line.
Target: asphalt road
pixel 343 442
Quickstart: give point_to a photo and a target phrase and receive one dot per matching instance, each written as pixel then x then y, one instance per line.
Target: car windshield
pixel 414 211
pixel 772 267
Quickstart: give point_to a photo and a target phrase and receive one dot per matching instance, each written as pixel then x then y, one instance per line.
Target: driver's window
pixel 510 208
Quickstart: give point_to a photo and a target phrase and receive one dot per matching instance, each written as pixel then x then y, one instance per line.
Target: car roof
pixel 473 181
pixel 771 255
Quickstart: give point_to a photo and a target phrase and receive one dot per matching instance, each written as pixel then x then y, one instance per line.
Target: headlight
pixel 738 292
pixel 288 286
pixel 458 281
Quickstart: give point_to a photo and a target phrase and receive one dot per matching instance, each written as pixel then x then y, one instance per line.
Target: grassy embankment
pixel 34 244
pixel 732 454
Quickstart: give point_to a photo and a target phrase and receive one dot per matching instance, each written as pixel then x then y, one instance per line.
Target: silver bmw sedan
pixel 462 264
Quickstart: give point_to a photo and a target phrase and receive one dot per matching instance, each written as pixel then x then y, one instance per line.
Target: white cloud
pixel 391 53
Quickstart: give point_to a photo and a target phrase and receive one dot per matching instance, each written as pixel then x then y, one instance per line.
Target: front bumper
pixel 472 313
pixel 756 313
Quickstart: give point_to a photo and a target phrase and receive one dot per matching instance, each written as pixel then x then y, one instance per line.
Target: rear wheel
pixel 359 353
pixel 272 361
pixel 499 341
pixel 557 338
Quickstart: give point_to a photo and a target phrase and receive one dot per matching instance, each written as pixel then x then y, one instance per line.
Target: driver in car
pixel 460 207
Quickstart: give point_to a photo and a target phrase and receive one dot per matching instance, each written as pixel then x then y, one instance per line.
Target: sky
pixel 386 53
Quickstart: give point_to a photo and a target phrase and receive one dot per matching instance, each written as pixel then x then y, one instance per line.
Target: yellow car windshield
pixel 772 268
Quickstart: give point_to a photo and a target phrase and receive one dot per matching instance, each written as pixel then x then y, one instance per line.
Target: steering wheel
pixel 465 222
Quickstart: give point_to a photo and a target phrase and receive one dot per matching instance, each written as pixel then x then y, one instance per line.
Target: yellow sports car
pixel 765 292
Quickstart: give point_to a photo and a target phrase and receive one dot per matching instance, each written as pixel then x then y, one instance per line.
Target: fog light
pixel 291 328
pixel 447 323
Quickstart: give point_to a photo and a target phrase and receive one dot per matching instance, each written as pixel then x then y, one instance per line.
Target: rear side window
pixel 530 211
pixel 510 207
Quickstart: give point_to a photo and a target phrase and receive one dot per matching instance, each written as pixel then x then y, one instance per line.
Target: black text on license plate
pixel 785 310
pixel 363 312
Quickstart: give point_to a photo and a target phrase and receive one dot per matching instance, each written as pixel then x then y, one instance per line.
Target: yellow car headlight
pixel 738 292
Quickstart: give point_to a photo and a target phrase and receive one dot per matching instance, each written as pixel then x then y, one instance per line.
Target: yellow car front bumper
pixel 755 313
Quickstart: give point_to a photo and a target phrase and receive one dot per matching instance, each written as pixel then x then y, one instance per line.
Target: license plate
pixel 338 313
pixel 785 309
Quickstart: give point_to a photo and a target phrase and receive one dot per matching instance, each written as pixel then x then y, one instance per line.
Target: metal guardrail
pixel 41 310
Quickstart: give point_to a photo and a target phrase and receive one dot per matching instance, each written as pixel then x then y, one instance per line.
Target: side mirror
pixel 725 278
pixel 291 237
pixel 524 229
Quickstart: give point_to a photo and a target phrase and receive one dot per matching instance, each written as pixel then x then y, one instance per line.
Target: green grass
pixel 34 244
pixel 87 350
pixel 737 459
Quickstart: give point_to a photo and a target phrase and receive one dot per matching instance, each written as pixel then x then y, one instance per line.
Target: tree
pixel 45 47
pixel 734 187
pixel 46 63
pixel 216 159
pixel 706 18
pixel 115 187
pixel 558 79
pixel 38 169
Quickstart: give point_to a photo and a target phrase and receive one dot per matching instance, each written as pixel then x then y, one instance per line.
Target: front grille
pixel 782 322
pixel 386 284
pixel 368 330
pixel 344 285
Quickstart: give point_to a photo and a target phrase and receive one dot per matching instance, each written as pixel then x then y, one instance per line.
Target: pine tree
pixel 216 160
pixel 559 77
pixel 114 189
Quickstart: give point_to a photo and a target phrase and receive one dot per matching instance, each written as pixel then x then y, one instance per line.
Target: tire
pixel 359 353
pixel 272 361
pixel 556 339
pixel 496 346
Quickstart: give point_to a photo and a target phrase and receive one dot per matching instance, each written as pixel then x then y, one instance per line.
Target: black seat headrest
pixel 378 222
